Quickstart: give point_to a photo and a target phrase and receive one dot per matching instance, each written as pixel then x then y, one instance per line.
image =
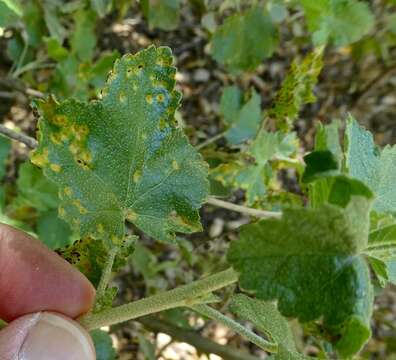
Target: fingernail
pixel 55 337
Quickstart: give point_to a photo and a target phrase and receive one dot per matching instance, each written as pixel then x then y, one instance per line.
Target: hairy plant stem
pixel 210 141
pixel 213 314
pixel 243 209
pixel 106 273
pixel 181 296
pixel 27 140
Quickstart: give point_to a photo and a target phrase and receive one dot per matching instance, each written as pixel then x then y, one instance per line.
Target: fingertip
pixel 44 280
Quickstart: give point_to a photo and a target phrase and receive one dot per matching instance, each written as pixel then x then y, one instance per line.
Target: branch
pixel 243 209
pixel 27 140
pixel 178 297
pixel 191 337
pixel 213 314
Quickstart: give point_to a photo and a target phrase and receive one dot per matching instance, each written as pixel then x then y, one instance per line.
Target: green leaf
pixel 102 7
pixel 52 19
pixel 340 22
pixel 105 301
pixel 103 345
pixel 296 90
pixel 10 11
pixel 5 147
pixel 328 138
pixel 35 190
pixel 267 319
pixel 124 157
pixel 252 177
pixel 90 257
pixel 319 164
pixel 243 119
pixel 146 347
pixel 373 166
pixel 163 14
pixel 52 231
pixel 244 40
pixel 309 261
pixel 55 50
pixel 83 38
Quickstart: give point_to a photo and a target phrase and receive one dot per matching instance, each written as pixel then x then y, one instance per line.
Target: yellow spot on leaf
pixel 62 211
pixel 130 215
pixel 56 139
pixel 149 99
pixel 68 191
pixel 80 207
pixel 160 98
pixel 122 97
pixel 60 120
pixel 175 165
pixel 40 159
pixel 55 167
pixel 136 176
pixel 100 228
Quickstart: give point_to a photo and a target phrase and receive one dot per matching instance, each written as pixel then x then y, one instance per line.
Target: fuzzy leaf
pixel 103 345
pixel 309 261
pixel 297 89
pixel 244 40
pixel 243 119
pixel 90 256
pixel 339 22
pixel 373 166
pixel 123 157
pixel 163 14
pixel 265 316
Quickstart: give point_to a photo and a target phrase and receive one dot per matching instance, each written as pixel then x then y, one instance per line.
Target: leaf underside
pixel 123 157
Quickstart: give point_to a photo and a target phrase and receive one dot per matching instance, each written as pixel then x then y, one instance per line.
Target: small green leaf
pixel 163 14
pixel 297 89
pixel 35 190
pixel 105 301
pixel 252 176
pixel 319 164
pixel 90 256
pixel 124 157
pixel 83 38
pixel 244 40
pixel 102 7
pixel 10 12
pixel 243 119
pixel 328 138
pixel 53 20
pixel 52 231
pixel 340 22
pixel 265 316
pixel 103 345
pixel 309 261
pixel 373 166
pixel 55 50
pixel 146 347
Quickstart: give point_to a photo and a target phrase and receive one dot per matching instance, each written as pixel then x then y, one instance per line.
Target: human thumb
pixel 45 336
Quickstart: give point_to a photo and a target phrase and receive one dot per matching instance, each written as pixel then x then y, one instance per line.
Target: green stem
pixel 213 314
pixel 106 273
pixel 210 141
pixel 178 297
pixel 243 209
